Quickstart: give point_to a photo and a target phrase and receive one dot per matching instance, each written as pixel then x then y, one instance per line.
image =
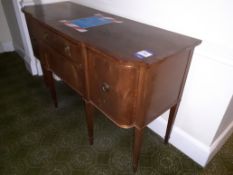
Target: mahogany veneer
pixel 101 66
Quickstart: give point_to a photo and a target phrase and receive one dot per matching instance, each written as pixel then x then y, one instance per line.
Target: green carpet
pixel 37 139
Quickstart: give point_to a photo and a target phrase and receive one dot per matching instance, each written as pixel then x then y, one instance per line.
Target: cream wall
pixel 5 36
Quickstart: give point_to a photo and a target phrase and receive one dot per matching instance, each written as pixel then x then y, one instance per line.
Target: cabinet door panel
pixel 112 88
pixel 72 74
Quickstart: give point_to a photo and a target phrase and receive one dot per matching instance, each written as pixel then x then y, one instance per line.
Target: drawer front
pixel 72 73
pixel 61 45
pixel 68 49
pixel 112 88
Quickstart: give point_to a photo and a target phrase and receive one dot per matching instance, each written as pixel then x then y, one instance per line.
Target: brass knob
pixel 67 50
pixel 105 87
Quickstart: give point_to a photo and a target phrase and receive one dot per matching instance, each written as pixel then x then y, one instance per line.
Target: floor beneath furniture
pixel 38 139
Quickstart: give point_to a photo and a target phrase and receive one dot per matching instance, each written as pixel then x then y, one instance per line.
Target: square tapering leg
pixel 49 81
pixel 89 108
pixel 138 136
pixel 171 119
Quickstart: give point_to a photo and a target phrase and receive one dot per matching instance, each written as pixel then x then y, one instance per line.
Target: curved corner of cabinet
pixel 113 87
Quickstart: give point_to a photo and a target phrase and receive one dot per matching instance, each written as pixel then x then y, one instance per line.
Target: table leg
pixel 45 76
pixel 89 108
pixel 138 135
pixel 171 119
pixel 49 81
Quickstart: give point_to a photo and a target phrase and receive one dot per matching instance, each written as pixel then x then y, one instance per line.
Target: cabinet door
pixel 112 88
pixel 72 73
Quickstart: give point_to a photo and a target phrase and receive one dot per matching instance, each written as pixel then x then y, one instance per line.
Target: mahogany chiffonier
pixel 129 71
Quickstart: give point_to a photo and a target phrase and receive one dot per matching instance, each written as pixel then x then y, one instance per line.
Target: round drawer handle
pixel 105 87
pixel 67 50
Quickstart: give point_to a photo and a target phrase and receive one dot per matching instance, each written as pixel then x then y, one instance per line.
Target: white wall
pixel 31 2
pixel 13 25
pixel 206 97
pixel 5 36
pixel 209 20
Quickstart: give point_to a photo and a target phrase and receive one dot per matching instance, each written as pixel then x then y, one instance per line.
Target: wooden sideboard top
pixel 119 40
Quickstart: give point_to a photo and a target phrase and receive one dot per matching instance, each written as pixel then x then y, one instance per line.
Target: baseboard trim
pixel 1 49
pixel 39 68
pixel 219 142
pixel 30 63
pixel 20 51
pixel 190 146
pixel 6 47
pixel 31 66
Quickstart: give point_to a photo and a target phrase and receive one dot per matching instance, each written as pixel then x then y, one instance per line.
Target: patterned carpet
pixel 37 139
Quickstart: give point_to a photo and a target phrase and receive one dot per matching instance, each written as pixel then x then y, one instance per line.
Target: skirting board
pixel 31 67
pixel 30 63
pixel 190 146
pixel 6 47
pixel 219 142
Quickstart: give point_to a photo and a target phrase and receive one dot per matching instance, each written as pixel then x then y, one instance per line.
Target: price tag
pixel 144 54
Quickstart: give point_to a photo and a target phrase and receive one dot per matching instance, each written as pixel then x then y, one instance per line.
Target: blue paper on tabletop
pixel 91 21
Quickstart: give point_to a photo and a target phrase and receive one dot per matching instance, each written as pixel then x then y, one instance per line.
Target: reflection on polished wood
pixel 101 66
